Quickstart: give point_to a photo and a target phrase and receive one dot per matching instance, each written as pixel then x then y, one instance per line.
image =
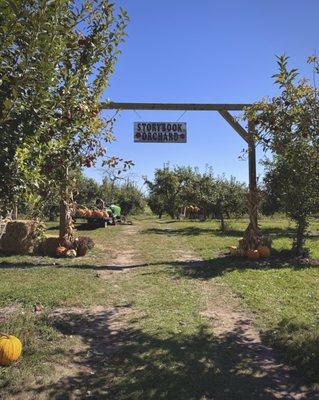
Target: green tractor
pixel 114 212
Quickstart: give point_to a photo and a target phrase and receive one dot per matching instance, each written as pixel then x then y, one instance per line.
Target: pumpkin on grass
pixel 10 349
pixel 252 254
pixel 60 251
pixel 263 251
pixel 70 253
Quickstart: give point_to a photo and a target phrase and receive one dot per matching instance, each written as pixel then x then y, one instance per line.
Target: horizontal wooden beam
pixel 234 124
pixel 173 106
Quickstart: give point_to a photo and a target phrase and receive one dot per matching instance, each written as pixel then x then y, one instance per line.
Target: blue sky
pixel 204 52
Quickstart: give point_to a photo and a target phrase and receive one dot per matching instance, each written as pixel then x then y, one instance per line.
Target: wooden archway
pixel 251 236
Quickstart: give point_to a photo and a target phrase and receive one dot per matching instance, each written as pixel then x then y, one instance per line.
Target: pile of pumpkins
pixel 10 349
pixel 83 212
pixel 262 251
pixel 62 251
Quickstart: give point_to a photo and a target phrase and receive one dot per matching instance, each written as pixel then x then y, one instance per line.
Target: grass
pixel 284 296
pixel 170 352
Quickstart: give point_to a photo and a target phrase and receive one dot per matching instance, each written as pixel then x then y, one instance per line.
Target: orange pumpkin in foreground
pixel 263 251
pixel 60 251
pixel 10 349
pixel 252 254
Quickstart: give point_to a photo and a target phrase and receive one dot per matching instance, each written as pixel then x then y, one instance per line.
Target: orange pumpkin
pixel 252 254
pixel 88 213
pixel 263 251
pixel 96 213
pixel 10 349
pixel 60 251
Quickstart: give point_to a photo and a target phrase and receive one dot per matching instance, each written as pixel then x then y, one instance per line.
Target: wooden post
pixel 251 237
pixel 173 106
pixel 252 176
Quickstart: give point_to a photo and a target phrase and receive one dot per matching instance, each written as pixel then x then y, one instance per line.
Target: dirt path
pixel 233 324
pixel 125 255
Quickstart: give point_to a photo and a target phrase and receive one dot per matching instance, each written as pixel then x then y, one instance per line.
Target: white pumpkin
pixel 71 253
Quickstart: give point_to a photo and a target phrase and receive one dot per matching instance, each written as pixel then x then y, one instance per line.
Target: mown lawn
pixel 171 352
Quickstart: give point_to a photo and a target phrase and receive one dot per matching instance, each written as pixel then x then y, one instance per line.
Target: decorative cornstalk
pixel 251 236
pixel 66 233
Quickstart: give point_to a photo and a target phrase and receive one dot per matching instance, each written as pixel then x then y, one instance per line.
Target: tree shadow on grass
pixel 193 269
pixel 197 231
pixel 297 343
pixel 207 269
pixel 24 265
pixel 84 226
pixel 129 363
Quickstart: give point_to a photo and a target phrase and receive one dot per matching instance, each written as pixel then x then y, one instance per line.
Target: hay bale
pixel 19 237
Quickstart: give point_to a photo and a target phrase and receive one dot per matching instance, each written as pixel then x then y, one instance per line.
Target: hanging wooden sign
pixel 160 132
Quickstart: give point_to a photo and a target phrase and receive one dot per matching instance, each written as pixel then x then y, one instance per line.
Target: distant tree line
pixel 174 189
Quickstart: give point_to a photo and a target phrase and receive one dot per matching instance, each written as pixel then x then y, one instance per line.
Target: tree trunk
pixel 15 211
pixel 222 222
pixel 66 229
pixel 63 217
pixel 299 241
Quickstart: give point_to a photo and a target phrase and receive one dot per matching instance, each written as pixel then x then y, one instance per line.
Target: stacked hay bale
pixel 19 237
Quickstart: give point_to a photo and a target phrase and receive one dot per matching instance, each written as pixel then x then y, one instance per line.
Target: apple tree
pixel 77 132
pixel 288 126
pixel 31 41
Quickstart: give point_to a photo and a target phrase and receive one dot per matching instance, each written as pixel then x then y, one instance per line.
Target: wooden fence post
pixel 252 235
pixel 252 176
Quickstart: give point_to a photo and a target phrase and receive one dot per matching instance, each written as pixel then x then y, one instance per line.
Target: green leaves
pixel 56 58
pixel 184 186
pixel 285 76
